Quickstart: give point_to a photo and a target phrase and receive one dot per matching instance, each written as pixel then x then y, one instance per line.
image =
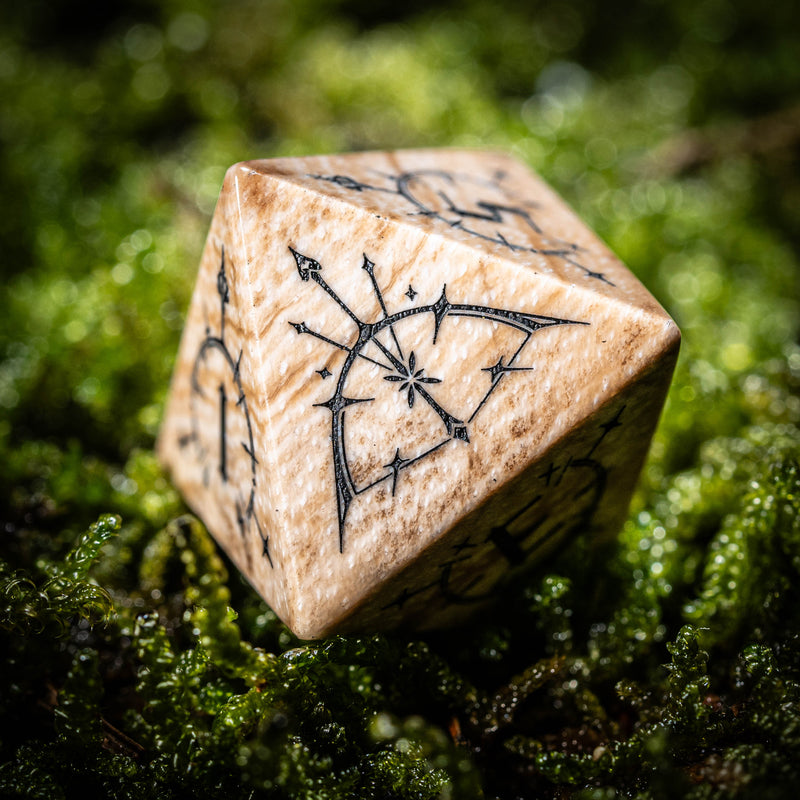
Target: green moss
pixel 59 593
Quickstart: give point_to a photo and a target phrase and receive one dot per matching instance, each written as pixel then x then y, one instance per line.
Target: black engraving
pixel 404 371
pixel 246 516
pixel 222 428
pixel 607 427
pixel 507 545
pixel 548 474
pixel 499 369
pixel 410 378
pixel 395 465
pixel 427 193
pixel 517 546
pixel 443 582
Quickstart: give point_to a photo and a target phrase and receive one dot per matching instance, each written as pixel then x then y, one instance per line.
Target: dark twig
pixel 696 147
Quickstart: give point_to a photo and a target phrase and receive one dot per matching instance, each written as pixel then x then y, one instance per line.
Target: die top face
pixel 379 348
pixel 488 201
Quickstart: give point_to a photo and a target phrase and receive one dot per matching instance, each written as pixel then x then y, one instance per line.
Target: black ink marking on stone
pixel 507 545
pixel 395 465
pixel 417 187
pixel 301 327
pixel 409 379
pixel 411 294
pixel 213 345
pixel 403 598
pixel 607 427
pixel 222 433
pixel 519 546
pixel 563 471
pixel 348 183
pixel 264 539
pixel 548 474
pixel 461 433
pixel 249 453
pixel 499 369
pixel 403 370
pixel 443 582
pixel 240 520
pixel 459 597
pixel 224 293
pixel 369 268
pixel 323 373
pixel 464 544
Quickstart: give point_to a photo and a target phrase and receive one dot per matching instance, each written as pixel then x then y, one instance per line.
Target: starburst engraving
pixel 411 377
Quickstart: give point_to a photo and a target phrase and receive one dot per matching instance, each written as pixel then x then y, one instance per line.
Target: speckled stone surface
pixel 404 377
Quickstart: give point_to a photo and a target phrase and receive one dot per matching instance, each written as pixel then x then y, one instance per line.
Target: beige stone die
pixel 404 377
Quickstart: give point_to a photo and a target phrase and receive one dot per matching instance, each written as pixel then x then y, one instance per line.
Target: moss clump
pixel 138 664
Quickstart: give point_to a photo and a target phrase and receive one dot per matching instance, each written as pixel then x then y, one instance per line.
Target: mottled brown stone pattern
pixel 404 378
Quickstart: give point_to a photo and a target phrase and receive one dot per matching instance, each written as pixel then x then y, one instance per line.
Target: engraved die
pixel 404 377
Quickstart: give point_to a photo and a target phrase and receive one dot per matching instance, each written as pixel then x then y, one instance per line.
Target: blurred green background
pixel 673 128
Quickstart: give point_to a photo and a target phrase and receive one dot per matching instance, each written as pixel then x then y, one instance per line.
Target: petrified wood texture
pixel 404 376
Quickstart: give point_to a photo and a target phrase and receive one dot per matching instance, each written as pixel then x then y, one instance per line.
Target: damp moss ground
pixel 137 663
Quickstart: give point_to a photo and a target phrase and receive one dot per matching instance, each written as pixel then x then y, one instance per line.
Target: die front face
pixel 404 376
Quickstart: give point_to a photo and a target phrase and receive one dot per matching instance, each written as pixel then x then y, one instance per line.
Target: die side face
pixel 211 437
pixel 404 385
pixel 581 487
pixel 487 201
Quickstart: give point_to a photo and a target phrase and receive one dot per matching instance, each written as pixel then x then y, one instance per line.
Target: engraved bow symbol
pixel 409 379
